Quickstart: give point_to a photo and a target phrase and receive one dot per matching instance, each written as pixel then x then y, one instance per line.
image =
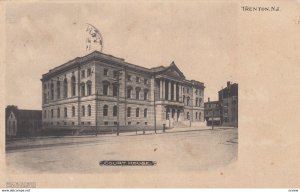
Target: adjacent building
pixel 23 123
pixel 225 110
pixel 213 112
pixel 228 98
pixel 100 90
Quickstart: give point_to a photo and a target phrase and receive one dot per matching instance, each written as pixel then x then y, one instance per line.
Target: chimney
pixel 228 83
pixel 208 99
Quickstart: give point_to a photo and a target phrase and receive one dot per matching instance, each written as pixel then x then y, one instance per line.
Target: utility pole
pixel 118 101
pixel 97 113
pixel 212 122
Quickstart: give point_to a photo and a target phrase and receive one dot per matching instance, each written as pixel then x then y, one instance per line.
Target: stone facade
pixel 84 93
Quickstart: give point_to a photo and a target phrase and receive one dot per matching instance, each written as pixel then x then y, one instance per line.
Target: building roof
pixel 29 114
pixel 96 55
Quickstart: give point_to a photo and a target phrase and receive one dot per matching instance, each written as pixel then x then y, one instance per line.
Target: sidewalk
pixel 51 141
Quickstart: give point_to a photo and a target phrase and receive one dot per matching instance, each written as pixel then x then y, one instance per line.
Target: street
pixel 176 150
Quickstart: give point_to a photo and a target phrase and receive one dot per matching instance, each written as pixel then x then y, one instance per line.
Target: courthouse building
pixel 84 93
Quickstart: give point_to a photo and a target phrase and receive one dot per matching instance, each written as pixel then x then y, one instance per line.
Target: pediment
pixel 173 71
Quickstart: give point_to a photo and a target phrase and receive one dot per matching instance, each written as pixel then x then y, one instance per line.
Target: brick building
pixel 229 101
pixel 225 109
pixel 84 93
pixel 213 112
pixel 23 123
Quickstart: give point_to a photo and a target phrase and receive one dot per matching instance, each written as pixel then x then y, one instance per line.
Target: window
pixel 196 101
pixel 129 123
pixel 45 114
pixel 137 112
pixel 129 92
pixel 196 115
pixel 105 88
pixel 89 123
pixel 105 72
pixel 82 89
pixel 145 112
pixel 83 110
pixel 52 113
pixel 73 84
pixel 73 111
pixel 128 77
pixel 188 115
pixel 73 123
pixel 137 79
pixel 184 100
pixel 146 123
pixel 89 110
pixel 65 123
pixel 199 115
pixel 89 72
pixel 137 93
pixel 145 81
pixel 52 91
pixel 137 123
pixel 128 112
pixel 65 88
pixel 57 123
pixel 115 111
pixel 145 94
pixel 188 90
pixel 200 101
pixel 105 122
pixel 115 123
pixel 196 92
pixel 65 112
pixel 82 123
pixel 116 74
pixel 188 101
pixel 58 89
pixel 83 74
pixel 89 87
pixel 115 90
pixel 105 110
pixel 58 113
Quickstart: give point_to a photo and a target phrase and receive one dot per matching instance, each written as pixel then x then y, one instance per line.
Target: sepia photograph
pixel 144 94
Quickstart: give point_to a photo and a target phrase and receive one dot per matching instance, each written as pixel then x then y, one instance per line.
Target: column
pixel 180 97
pixel 164 89
pixel 169 92
pixel 160 89
pixel 174 91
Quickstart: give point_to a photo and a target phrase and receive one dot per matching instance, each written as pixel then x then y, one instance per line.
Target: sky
pixel 199 37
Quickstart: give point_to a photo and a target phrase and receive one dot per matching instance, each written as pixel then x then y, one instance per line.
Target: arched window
pixel 145 112
pixel 128 111
pixel 137 112
pixel 105 110
pixel 89 110
pixel 58 89
pixel 89 87
pixel 83 110
pixel 129 92
pixel 52 91
pixel 137 93
pixel 146 94
pixel 65 112
pixel 73 85
pixel 105 88
pixel 65 88
pixel 115 111
pixel 188 101
pixel 58 112
pixel 73 111
pixel 82 89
